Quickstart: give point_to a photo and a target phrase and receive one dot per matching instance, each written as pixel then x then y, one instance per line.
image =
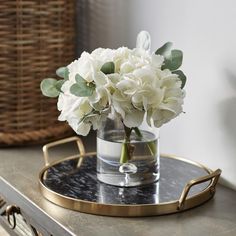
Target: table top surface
pixel 20 166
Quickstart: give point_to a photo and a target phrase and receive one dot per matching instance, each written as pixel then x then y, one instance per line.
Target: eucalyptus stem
pixel 124 157
pixel 151 145
pixel 126 150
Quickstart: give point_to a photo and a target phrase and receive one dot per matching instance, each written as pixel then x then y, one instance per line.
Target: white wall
pixel 206 32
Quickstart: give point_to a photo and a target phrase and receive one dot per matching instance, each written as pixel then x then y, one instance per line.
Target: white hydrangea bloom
pixel 85 66
pixel 137 87
pixel 79 111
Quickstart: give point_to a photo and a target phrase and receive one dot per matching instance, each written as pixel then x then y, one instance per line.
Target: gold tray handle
pixel 214 177
pixel 79 142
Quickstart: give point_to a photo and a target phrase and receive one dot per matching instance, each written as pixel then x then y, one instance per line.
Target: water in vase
pixel 142 168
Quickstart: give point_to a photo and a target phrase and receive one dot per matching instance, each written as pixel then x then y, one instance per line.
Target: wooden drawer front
pixel 13 221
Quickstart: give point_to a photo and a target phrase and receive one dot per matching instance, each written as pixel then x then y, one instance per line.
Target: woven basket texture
pixel 36 37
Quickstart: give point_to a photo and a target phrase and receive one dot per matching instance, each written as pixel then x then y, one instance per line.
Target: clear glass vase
pixel 131 161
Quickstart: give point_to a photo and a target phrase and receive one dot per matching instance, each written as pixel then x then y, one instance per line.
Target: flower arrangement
pixel 131 84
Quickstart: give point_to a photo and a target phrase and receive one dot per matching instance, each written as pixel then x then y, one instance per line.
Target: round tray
pixel 72 183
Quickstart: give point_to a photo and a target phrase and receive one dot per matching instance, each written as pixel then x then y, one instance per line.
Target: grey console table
pixel 19 168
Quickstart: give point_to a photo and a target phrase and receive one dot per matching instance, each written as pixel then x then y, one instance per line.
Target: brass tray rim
pixel 141 209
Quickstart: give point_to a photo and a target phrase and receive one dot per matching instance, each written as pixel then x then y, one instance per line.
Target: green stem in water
pixel 151 145
pixel 128 149
pixel 137 132
pixel 126 153
pixel 152 148
pixel 124 157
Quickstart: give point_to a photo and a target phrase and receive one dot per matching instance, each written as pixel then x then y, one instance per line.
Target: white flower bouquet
pixel 131 84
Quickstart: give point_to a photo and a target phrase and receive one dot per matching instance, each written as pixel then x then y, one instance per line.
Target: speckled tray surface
pixel 64 178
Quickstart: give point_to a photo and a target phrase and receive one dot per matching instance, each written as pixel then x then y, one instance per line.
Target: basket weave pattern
pixel 36 37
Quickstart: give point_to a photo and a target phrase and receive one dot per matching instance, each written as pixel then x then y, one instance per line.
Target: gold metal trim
pixel 185 202
pixel 79 142
pixel 213 176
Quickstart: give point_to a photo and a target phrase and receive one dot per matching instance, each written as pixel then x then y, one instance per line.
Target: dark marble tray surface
pixel 82 184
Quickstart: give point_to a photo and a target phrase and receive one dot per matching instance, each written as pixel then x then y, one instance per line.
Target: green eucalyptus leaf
pixel 82 88
pixel 182 77
pixel 59 84
pixel 63 72
pixel 108 68
pixel 174 60
pixel 79 79
pixel 48 87
pixel 81 91
pixel 164 50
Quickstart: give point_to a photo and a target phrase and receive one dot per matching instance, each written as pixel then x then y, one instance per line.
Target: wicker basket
pixel 36 37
